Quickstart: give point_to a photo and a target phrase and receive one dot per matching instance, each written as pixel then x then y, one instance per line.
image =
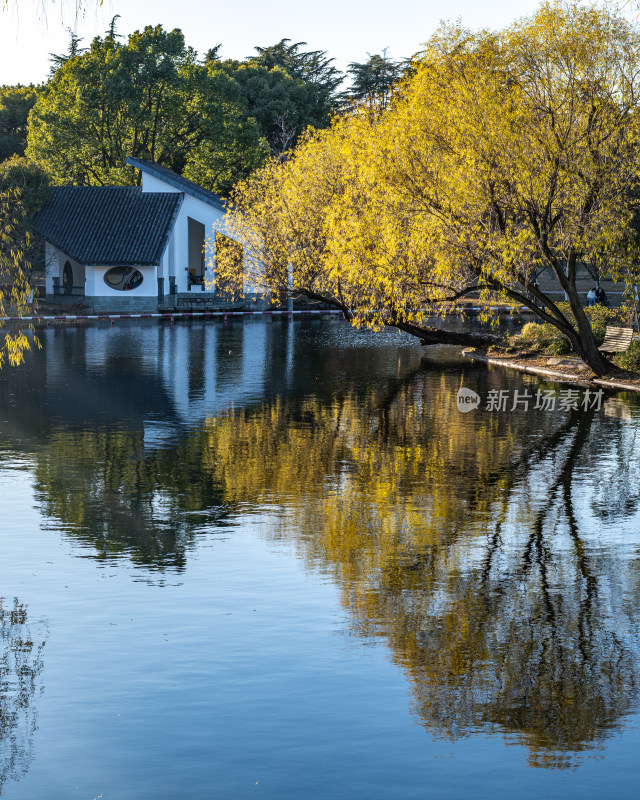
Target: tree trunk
pixel 583 343
pixel 429 335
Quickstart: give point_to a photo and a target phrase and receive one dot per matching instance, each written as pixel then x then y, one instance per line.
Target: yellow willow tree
pixel 23 188
pixel 14 275
pixel 532 136
pixel 503 154
pixel 309 226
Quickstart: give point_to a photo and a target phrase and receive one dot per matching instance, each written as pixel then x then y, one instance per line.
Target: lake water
pixel 276 561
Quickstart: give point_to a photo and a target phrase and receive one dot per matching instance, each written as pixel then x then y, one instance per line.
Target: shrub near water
pixel 544 338
pixel 540 337
pixel 601 316
pixel 631 359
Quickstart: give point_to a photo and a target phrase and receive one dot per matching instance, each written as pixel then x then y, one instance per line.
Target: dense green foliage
pixel 312 66
pixel 24 186
pixel 20 174
pixel 147 98
pixel 282 104
pixel 215 121
pixel 285 89
pixel 15 104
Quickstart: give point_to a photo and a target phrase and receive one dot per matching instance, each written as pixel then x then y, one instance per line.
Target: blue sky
pixel 347 30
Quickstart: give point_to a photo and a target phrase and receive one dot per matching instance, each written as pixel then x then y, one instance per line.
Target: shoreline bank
pixel 574 378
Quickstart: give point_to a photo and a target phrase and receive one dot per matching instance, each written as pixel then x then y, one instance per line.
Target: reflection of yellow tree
pixel 20 664
pixel 453 537
pixel 446 541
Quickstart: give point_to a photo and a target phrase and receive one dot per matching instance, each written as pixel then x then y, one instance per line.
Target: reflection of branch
pixel 618 492
pixel 590 580
pixel 20 665
pixel 537 543
pixel 519 468
pixel 396 385
pixel 582 424
pixel 494 545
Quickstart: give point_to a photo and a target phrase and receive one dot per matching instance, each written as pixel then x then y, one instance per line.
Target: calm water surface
pixel 265 560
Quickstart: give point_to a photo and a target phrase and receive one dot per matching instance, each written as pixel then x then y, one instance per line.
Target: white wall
pixel 176 258
pixel 152 184
pixel 96 286
pixel 163 268
pixel 54 266
pixel 51 266
pixel 208 216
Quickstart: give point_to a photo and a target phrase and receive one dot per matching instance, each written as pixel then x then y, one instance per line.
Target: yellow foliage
pixel 501 155
pixel 14 269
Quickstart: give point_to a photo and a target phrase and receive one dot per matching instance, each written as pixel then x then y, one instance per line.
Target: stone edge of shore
pixel 551 374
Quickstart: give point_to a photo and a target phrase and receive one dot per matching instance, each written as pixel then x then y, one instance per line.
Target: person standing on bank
pixel 591 297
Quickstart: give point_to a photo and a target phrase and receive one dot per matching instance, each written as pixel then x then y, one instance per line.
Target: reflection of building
pixel 159 378
pixel 132 248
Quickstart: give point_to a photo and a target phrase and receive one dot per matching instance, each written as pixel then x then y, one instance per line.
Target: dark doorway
pixel 67 278
pixel 196 253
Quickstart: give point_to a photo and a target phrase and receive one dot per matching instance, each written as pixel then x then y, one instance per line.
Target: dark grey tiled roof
pixel 108 225
pixel 173 179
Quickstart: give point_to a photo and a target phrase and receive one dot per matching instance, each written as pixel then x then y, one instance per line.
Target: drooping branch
pixel 323 298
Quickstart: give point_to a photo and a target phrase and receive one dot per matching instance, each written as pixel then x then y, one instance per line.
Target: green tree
pixel 285 89
pixel 212 55
pixel 282 105
pixel 372 81
pixel 74 50
pixel 311 66
pixel 15 104
pixel 147 98
pixel 20 174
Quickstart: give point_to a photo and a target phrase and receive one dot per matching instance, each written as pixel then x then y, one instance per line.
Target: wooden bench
pixel 616 340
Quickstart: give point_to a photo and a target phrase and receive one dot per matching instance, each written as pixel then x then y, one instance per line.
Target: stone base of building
pixel 112 305
pixel 188 301
pixel 203 301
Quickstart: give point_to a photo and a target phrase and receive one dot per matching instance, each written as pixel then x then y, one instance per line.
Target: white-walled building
pixel 132 248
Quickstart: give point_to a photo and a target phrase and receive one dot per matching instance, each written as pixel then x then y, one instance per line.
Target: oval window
pixel 123 278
